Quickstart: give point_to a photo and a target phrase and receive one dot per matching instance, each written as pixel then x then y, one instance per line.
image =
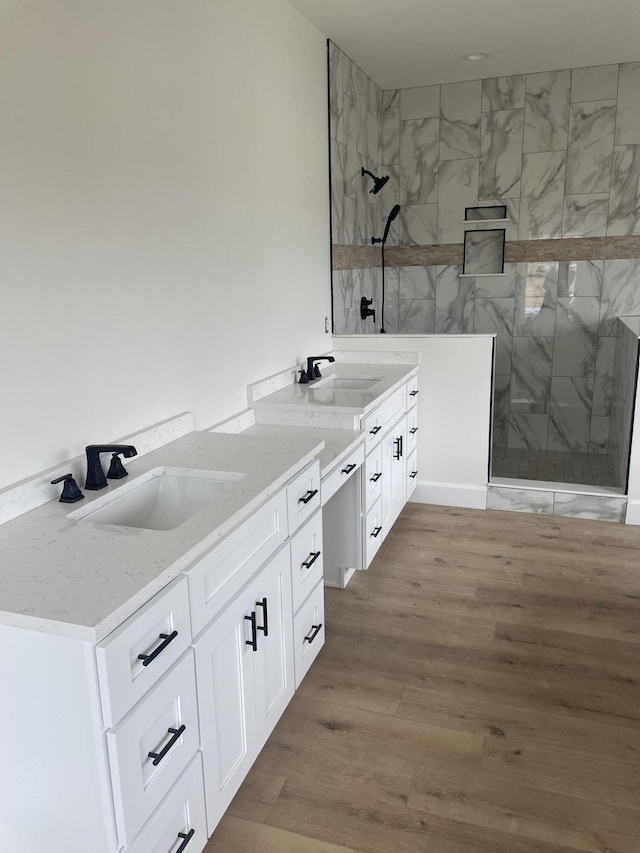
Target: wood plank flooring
pixel 478 691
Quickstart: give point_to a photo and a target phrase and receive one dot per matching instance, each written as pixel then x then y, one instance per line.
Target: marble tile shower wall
pixel 556 333
pixel 560 148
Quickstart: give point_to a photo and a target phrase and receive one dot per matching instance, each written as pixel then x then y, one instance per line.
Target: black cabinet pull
pixel 413 475
pixel 306 498
pixel 376 477
pixel 175 737
pixel 186 836
pixel 349 468
pixel 265 617
pixel 398 451
pixel 413 430
pixel 166 639
pixel 413 393
pixel 253 642
pixel 313 556
pixel 375 532
pixel 315 630
pixel 375 430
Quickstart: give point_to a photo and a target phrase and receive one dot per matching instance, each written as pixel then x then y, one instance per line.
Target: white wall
pixel 454 411
pixel 164 214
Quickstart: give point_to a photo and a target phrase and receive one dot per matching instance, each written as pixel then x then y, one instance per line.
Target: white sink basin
pixel 161 499
pixel 347 383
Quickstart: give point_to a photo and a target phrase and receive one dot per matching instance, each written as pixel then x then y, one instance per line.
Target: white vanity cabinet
pixel 391 441
pixel 138 743
pixel 245 675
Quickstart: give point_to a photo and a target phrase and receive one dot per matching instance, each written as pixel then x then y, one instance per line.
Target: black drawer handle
pixel 315 630
pixel 265 617
pixel 306 498
pixel 413 393
pixel 175 737
pixel 375 532
pixel 166 639
pixel 413 430
pixel 375 430
pixel 398 451
pixel 186 836
pixel 413 475
pixel 313 556
pixel 253 642
pixel 349 468
pixel 376 477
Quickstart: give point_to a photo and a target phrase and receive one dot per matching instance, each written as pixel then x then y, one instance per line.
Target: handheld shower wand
pixel 395 210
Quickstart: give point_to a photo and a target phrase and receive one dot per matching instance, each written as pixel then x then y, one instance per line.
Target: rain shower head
pixel 378 183
pixel 395 210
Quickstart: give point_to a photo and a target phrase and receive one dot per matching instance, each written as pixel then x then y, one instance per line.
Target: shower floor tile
pixel 556 466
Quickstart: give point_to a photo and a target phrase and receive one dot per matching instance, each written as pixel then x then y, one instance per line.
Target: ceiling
pixel 403 43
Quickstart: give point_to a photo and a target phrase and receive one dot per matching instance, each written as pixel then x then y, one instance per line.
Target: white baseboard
pixel 633 512
pixel 451 494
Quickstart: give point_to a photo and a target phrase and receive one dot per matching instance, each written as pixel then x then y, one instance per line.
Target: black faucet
pixel 313 371
pixel 95 473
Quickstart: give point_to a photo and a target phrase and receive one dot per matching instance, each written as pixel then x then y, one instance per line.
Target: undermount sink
pixel 347 383
pixel 161 499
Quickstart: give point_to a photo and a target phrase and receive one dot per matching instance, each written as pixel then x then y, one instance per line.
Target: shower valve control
pixel 365 311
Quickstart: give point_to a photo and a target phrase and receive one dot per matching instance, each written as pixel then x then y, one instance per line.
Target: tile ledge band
pixel 516 251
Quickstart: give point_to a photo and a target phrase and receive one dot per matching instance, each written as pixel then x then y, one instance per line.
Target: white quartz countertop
pixel 376 382
pixel 338 443
pixel 81 579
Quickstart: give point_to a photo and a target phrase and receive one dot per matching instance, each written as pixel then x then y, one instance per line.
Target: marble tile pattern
pixel 454 303
pixel 628 107
pixel 532 359
pixel 590 148
pixel 562 151
pixel 457 189
pixel 548 96
pixel 520 500
pixel 460 114
pixel 420 102
pixel 541 204
pixel 624 204
pixel 503 93
pixel 597 507
pixel 483 252
pixel 419 161
pixel 501 154
pixel 624 391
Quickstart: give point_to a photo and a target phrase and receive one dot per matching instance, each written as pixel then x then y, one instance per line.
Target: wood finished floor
pixel 478 691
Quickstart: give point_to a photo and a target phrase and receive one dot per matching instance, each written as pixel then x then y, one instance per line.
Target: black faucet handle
pixel 70 491
pixel 116 469
pixel 313 371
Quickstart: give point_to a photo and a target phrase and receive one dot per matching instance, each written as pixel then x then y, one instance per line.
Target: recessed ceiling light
pixel 475 57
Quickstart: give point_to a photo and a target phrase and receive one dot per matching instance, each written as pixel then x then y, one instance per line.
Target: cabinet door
pixel 394 483
pixel 398 478
pixel 273 662
pixel 226 702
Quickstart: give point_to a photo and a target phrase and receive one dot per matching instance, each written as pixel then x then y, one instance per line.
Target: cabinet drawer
pixel 373 532
pixel 412 390
pixel 412 429
pixel 217 577
pixel 377 422
pixel 165 724
pixel 412 473
pixel 161 631
pixel 306 559
pixel 180 819
pixel 347 469
pixel 373 475
pixel 303 496
pixel 308 632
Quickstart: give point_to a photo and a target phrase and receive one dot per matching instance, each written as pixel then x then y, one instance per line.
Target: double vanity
pixel 154 632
